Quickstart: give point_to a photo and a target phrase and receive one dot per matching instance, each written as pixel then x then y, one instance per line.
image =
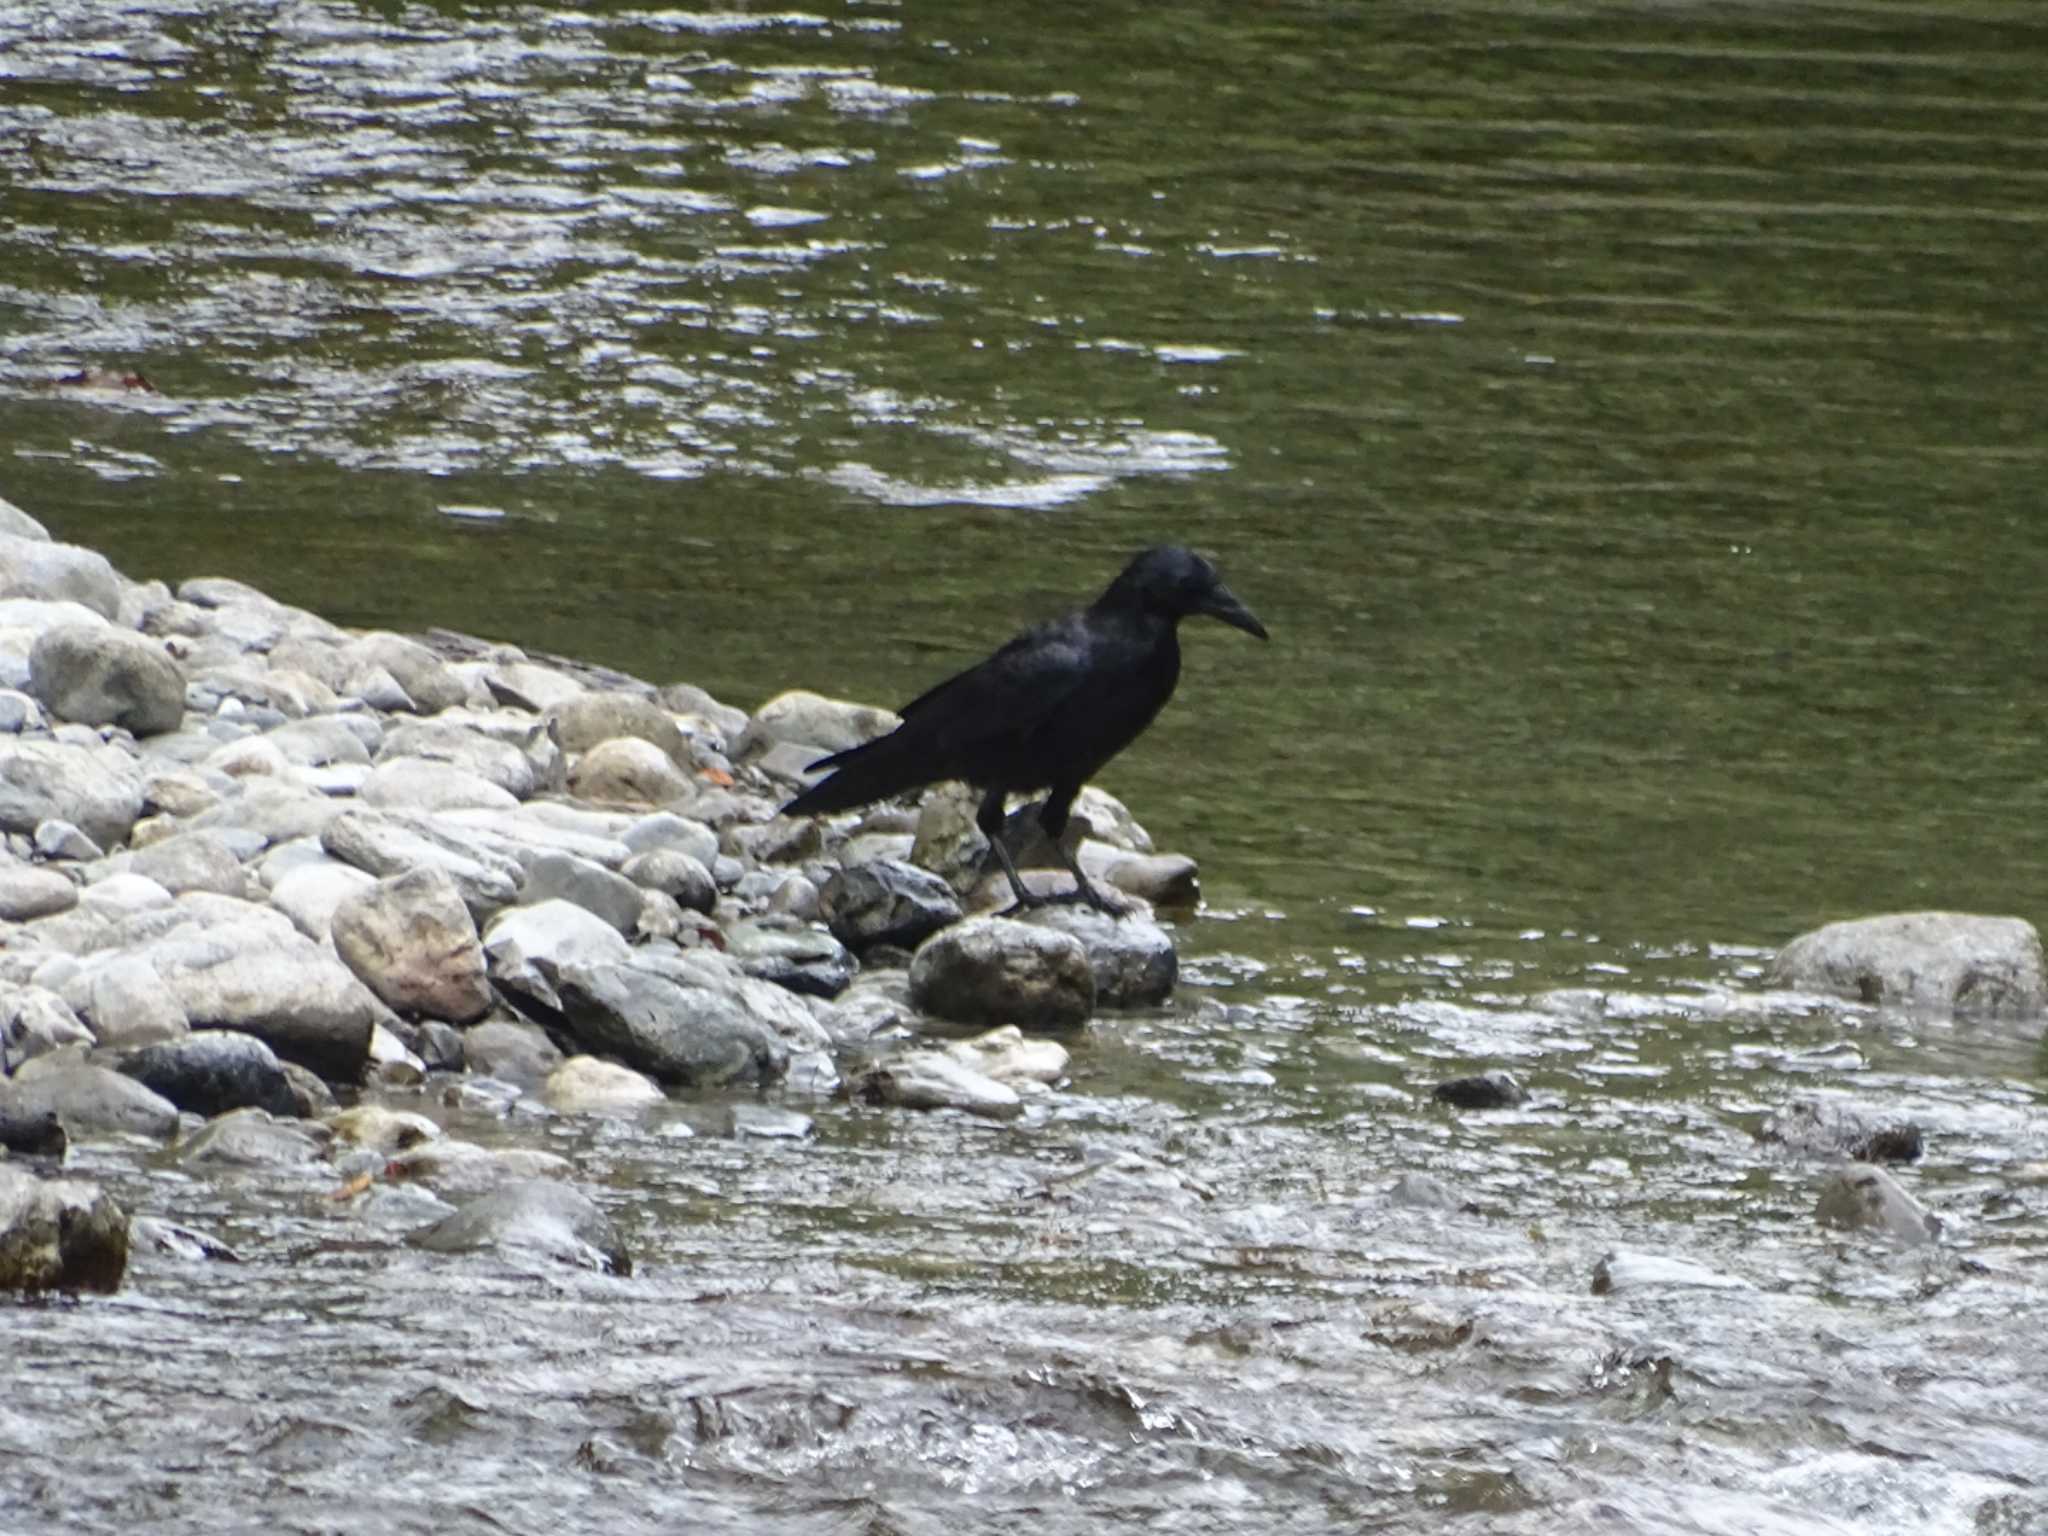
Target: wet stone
pixel 1132 957
pixel 991 970
pixel 517 1052
pixel 1620 1270
pixel 212 1071
pixel 1940 961
pixel 1008 1056
pixel 588 1085
pixel 1486 1090
pixel 252 1138
pixel 461 1170
pixel 1868 1199
pixel 59 1234
pixel 886 901
pixel 532 1218
pixel 1822 1128
pixel 927 1079
pixel 793 955
pixel 673 1029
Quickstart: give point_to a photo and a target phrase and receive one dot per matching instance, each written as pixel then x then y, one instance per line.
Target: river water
pixel 1629 419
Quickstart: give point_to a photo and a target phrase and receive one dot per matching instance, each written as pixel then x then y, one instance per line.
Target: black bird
pixel 1046 711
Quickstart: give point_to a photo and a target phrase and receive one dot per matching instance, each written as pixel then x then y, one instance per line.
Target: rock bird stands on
pixel 1046 711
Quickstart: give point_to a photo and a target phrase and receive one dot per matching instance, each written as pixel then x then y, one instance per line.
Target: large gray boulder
pixel 96 789
pixel 1944 962
pixel 97 674
pixel 276 984
pixel 993 970
pixel 413 943
pixel 42 568
pixel 669 1026
pixel 59 1235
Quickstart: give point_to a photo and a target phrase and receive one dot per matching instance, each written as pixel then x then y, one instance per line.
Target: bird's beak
pixel 1223 604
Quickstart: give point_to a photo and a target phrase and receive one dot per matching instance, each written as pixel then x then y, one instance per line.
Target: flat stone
pixel 424 785
pixel 669 1026
pixel 792 955
pixel 201 860
pixel 533 1218
pixel 925 1079
pixel 253 1138
pixel 311 891
pixel 508 764
pixel 385 844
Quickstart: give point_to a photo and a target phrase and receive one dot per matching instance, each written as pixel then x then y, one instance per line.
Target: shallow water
pixel 1627 419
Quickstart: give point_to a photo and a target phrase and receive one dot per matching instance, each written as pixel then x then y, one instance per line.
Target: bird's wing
pixel 1027 681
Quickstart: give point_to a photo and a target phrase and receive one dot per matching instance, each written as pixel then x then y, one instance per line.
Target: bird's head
pixel 1177 583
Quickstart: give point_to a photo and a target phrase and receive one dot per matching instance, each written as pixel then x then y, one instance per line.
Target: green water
pixel 1629 420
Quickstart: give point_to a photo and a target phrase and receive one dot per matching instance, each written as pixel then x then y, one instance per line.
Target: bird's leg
pixel 1053 817
pixel 990 819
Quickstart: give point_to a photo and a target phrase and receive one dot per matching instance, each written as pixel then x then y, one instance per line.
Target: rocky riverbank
pixel 255 862
pixel 276 894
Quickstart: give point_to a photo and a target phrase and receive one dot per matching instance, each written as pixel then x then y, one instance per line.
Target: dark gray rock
pixel 672 1029
pixel 212 1071
pixel 59 1235
pixel 1945 962
pixel 792 955
pixel 675 874
pixel 1486 1090
pixel 412 942
pixel 40 1135
pixel 991 970
pixel 532 1218
pixel 100 675
pixel 886 901
pixel 1867 1199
